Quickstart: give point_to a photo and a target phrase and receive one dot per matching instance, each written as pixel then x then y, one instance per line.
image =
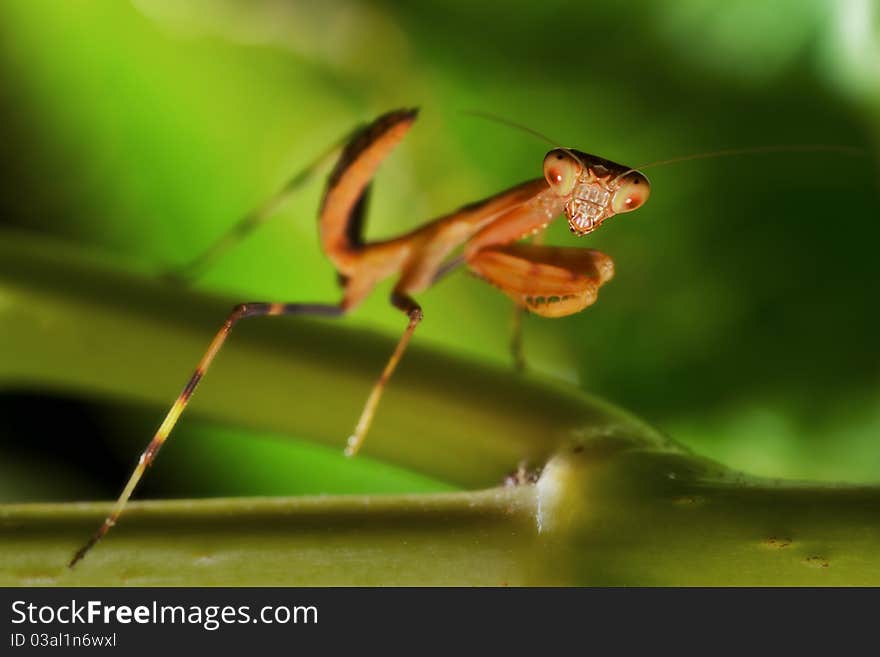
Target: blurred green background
pixel 743 318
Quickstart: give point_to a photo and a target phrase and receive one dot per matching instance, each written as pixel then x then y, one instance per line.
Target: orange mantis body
pixel 545 280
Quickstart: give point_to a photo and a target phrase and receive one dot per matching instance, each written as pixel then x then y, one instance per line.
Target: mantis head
pixel 594 189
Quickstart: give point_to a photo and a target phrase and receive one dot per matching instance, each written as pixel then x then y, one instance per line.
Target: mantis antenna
pixel 758 150
pixel 851 151
pixel 519 126
pixel 727 152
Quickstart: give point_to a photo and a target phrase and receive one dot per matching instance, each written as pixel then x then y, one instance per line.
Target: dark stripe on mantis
pixel 191 384
pixel 362 140
pixel 153 449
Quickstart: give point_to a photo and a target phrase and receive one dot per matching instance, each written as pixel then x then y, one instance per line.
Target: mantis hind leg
pixel 240 312
pixel 344 205
pixel 341 218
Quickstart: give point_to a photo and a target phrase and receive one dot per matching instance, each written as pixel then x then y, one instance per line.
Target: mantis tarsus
pixel 544 280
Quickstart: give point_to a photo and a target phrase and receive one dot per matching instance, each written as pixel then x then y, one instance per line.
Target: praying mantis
pixel 549 281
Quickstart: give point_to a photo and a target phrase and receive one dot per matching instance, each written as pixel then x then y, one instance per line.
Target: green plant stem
pixel 613 513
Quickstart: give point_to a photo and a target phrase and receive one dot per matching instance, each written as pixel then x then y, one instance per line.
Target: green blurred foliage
pixel 743 317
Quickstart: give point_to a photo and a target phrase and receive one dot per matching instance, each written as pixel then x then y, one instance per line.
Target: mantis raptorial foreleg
pixel 550 281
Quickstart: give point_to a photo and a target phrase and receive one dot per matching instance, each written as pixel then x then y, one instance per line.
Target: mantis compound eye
pixel 561 171
pixel 634 190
